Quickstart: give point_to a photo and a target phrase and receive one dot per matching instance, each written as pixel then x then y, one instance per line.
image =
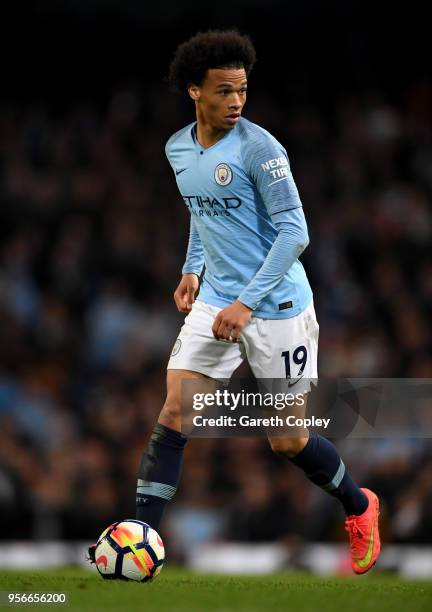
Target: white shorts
pixel 275 348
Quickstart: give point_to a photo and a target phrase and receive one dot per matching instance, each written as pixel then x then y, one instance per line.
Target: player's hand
pixel 184 295
pixel 230 321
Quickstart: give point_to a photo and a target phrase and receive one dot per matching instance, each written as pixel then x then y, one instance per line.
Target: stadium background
pixel 93 235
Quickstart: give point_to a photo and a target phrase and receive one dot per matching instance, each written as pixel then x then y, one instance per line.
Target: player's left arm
pixel 268 167
pixel 291 241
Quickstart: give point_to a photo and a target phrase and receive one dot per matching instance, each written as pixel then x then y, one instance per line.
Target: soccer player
pixel 247 228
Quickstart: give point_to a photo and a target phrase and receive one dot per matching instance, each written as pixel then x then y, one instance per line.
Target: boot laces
pixel 356 534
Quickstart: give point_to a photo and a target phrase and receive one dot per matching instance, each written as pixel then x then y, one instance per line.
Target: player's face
pixel 220 97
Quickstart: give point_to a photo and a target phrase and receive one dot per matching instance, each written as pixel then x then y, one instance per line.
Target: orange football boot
pixel 364 535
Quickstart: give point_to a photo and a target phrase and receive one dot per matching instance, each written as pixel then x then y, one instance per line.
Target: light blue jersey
pixel 247 222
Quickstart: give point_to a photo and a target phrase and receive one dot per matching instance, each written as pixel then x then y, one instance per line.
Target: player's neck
pixel 208 135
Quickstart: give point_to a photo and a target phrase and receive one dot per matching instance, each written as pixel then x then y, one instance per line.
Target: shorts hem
pixel 201 370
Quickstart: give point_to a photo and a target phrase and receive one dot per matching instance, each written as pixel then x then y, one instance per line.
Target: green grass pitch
pixel 180 591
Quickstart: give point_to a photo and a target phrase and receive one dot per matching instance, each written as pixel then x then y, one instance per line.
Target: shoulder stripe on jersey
pixel 285 210
pixel 284 178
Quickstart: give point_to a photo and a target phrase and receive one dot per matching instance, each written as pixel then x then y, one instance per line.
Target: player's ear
pixel 194 92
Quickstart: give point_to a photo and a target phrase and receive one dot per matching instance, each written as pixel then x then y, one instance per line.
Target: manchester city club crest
pixel 223 174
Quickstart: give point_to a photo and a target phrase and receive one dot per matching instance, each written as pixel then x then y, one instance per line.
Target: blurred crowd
pixel 93 235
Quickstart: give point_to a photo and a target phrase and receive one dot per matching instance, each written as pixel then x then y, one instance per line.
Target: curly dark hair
pixel 212 49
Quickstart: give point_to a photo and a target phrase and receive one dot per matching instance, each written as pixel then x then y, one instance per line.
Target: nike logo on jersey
pixel 180 171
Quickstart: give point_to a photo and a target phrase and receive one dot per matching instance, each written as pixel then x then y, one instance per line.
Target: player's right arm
pixel 184 295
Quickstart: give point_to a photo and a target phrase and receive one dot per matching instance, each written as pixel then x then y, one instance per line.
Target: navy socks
pixel 159 474
pixel 322 464
pixel 160 469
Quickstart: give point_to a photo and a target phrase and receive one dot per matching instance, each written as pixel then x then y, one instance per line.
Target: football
pixel 129 550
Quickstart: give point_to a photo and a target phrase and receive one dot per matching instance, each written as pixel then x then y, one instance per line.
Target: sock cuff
pixel 155 489
pixel 169 437
pixel 312 440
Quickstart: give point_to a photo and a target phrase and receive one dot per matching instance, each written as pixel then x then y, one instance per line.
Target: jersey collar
pixel 200 147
